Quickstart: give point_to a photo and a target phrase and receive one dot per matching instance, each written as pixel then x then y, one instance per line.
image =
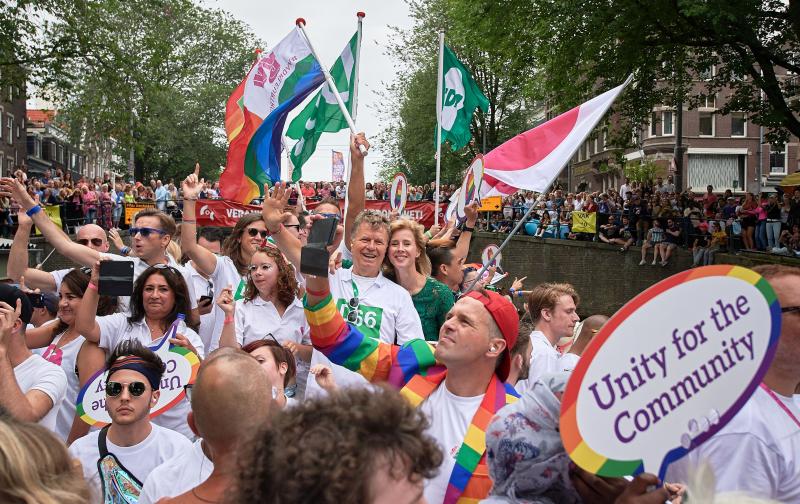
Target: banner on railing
pixel 225 213
pixel 584 222
pixel 54 212
pixel 132 209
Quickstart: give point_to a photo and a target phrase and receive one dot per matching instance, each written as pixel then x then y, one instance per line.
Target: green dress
pixel 432 304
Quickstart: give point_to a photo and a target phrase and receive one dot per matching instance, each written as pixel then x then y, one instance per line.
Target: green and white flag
pixel 322 114
pixel 460 97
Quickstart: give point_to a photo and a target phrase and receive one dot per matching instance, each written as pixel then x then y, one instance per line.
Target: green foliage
pixel 640 171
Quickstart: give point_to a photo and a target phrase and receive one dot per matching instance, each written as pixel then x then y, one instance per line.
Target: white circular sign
pixel 399 194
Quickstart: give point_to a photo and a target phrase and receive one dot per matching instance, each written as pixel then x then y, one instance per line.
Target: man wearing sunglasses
pixel 758 451
pixel 118 458
pixel 31 388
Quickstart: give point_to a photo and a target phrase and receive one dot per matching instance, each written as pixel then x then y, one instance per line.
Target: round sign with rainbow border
pixel 181 370
pixel 669 370
pixel 450 213
pixel 399 194
pixel 471 187
pixel 491 256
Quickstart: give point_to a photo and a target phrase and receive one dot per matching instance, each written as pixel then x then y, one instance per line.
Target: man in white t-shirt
pixel 553 309
pixel 151 232
pixel 119 457
pixel 31 389
pixel 230 401
pixel 758 451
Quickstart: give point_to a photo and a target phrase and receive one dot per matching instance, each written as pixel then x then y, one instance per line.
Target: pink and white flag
pixel 532 160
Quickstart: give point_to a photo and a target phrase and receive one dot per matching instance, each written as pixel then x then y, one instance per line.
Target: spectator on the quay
pixel 229 404
pixel 748 214
pixel 760 235
pixel 131 446
pixel 31 388
pixel 370 193
pixel 773 221
pixel 709 201
pixel 655 236
pixel 672 238
pixel 609 232
pixel 89 203
pixel 719 240
pixel 700 247
pixel 789 242
pixel 625 189
pixel 544 223
pixel 162 195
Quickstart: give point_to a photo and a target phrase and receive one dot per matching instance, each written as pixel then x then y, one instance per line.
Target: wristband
pixel 519 293
pixel 316 293
pixel 92 286
pixel 228 320
pixel 512 291
pixel 33 210
pixel 273 233
pixel 125 250
pixel 467 229
pixel 189 221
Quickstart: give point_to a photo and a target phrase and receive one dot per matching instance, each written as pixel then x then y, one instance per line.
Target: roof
pixel 40 117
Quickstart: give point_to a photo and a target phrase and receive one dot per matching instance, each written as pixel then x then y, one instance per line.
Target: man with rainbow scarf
pixel 458 384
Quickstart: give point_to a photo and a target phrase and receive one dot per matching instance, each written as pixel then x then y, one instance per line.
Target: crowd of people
pixel 401 376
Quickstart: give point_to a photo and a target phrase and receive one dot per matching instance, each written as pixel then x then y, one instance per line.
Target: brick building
pixel 12 128
pixel 724 151
pixel 49 147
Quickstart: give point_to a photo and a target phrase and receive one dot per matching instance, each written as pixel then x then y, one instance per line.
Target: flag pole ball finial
pixel 360 14
pixel 300 20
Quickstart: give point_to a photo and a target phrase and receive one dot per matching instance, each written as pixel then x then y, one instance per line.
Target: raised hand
pixel 324 377
pixel 471 212
pixel 13 188
pixel 8 317
pixel 184 342
pixel 116 239
pixel 272 209
pixel 517 284
pixel 225 300
pixel 356 143
pixel 192 185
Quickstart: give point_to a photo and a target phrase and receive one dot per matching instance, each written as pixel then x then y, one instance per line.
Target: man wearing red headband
pixel 457 384
pixel 118 458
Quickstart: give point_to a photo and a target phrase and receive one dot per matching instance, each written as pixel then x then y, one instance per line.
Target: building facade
pixel 49 147
pixel 12 120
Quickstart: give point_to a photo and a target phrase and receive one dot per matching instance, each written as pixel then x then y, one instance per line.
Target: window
pixel 668 121
pixel 738 124
pixel 596 142
pixel 707 73
pixel 10 128
pixel 10 165
pixel 708 101
pixel 777 158
pixel 37 147
pixel 653 124
pixel 605 139
pixel 592 145
pixel 706 123
pixel 60 154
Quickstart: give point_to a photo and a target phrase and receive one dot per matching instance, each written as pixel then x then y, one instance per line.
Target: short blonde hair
pixel 422 263
pixel 36 467
pixel 545 296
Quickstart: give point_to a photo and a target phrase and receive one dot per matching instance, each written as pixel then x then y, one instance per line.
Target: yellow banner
pixel 54 212
pixel 132 208
pixel 491 204
pixel 584 222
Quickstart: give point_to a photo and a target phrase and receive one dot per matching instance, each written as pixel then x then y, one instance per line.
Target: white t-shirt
pixel 35 373
pixel 544 359
pixel 185 470
pixel 450 416
pixel 140 460
pixel 66 357
pixel 757 452
pixel 115 328
pixel 207 321
pixel 224 274
pixel 568 361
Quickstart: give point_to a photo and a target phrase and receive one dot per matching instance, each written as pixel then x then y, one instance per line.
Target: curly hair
pixel 300 459
pixel 372 218
pixel 232 246
pixel 422 263
pixel 287 283
pixel 176 284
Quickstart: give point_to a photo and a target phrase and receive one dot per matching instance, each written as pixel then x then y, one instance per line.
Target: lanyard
pixel 355 288
pixel 780 403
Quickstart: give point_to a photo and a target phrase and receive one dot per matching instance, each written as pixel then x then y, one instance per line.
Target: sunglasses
pixel 145 231
pixel 352 317
pixel 292 226
pixel 136 389
pixel 327 215
pixel 162 266
pixel 85 242
pixel 253 232
pixel 790 309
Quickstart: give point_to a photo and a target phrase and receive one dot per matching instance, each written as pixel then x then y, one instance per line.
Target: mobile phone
pixel 204 300
pixel 116 278
pixel 323 231
pixel 36 299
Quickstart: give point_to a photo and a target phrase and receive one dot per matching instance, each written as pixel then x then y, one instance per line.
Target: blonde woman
pixel 36 467
pixel 407 264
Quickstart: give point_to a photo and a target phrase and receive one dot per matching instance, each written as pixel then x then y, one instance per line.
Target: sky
pixel 330 24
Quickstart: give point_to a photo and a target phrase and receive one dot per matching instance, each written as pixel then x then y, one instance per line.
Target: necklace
pixel 194 492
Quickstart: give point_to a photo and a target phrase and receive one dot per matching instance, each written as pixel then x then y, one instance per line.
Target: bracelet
pixel 92 286
pixel 228 320
pixel 316 293
pixel 189 199
pixel 125 250
pixel 273 233
pixel 189 221
pixel 519 293
pixel 467 229
pixel 33 210
pixel 511 291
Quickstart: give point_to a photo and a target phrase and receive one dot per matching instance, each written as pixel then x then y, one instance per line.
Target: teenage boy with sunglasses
pixel 118 458
pixel 151 232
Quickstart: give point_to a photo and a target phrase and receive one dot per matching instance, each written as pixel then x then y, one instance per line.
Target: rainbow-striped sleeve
pixel 346 346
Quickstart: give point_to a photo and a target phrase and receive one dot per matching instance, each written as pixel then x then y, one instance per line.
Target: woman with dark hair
pixel 159 295
pixel 278 362
pixel 79 358
pixel 269 306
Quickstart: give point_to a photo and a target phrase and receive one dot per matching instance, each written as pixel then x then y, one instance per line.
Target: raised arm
pixel 228 307
pixel 91 359
pixel 345 345
pixel 52 233
pixel 204 260
pixel 272 211
pixel 462 245
pixel 85 322
pixel 18 259
pixel 356 193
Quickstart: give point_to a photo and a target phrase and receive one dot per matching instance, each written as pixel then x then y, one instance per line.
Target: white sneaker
pixel 642 262
pixel 654 262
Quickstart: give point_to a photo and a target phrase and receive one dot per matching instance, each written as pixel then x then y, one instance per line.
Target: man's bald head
pixel 93 232
pixel 590 327
pixel 230 398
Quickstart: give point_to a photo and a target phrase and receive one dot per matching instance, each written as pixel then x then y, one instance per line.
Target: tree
pixel 154 75
pixel 410 103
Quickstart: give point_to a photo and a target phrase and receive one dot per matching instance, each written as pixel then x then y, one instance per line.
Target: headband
pixel 137 364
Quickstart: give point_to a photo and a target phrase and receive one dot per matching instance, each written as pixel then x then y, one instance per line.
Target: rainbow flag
pixel 277 83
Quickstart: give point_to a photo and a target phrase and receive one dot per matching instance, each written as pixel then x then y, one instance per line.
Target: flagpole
pixel 354 105
pixel 300 22
pixel 439 80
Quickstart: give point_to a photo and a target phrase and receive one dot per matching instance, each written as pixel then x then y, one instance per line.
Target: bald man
pixel 230 401
pixel 589 328
pixel 91 235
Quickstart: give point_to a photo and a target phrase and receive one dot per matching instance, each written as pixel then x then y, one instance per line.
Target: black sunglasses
pixel 95 241
pixel 790 309
pixel 292 226
pixel 253 232
pixel 352 317
pixel 145 231
pixel 136 389
pixel 162 266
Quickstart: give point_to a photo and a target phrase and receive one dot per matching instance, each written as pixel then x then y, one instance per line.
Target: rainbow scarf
pixel 463 487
